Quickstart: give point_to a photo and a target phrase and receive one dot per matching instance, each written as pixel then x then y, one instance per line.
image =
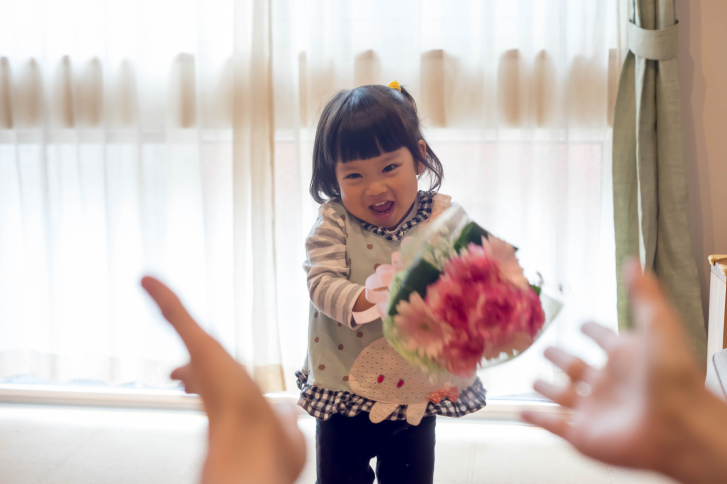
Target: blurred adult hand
pixel 647 407
pixel 248 440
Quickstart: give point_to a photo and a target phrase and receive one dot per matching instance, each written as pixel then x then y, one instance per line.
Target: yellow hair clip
pixel 395 85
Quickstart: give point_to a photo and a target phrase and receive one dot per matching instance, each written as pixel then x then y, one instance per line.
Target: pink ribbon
pixel 451 394
pixel 377 284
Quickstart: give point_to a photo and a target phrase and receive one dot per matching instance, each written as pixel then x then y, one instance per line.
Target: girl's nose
pixel 375 189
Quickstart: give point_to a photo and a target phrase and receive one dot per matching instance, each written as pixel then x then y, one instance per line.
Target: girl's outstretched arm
pixel 330 290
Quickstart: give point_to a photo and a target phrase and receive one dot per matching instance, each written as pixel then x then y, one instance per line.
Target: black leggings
pixel 346 445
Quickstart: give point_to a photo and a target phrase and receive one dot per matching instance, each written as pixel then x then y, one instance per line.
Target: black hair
pixel 363 123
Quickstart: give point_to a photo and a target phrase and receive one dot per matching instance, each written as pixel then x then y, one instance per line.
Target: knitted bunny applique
pixel 382 375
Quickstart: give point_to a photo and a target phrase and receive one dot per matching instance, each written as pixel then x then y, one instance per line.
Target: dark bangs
pixel 364 123
pixel 368 126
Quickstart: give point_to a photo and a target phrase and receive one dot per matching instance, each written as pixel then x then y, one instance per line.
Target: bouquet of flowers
pixel 456 299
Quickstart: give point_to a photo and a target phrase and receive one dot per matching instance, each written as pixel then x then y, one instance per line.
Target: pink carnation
pixel 419 329
pixel 490 311
pixel 462 355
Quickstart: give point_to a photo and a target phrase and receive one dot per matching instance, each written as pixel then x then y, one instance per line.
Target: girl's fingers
pixel 604 337
pixel 564 396
pixel 174 312
pixel 574 367
pixel 553 423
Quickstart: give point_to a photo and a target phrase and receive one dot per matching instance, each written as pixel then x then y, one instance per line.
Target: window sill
pixel 98 397
pixel 497 410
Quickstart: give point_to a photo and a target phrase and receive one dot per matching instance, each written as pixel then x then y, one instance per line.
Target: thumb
pixel 287 415
pixel 187 376
pixel 650 307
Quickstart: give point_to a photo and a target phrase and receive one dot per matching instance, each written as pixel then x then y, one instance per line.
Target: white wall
pixel 703 77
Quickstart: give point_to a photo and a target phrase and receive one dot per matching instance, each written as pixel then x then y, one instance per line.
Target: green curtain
pixel 649 173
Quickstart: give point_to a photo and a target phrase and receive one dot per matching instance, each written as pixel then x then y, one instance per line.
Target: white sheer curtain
pixel 136 139
pixel 174 137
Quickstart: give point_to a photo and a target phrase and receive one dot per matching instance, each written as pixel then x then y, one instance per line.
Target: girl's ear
pixel 422 145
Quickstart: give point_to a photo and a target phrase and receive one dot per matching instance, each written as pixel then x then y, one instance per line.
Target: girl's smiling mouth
pixel 382 210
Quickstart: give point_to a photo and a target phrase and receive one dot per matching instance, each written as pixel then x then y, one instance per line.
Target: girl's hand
pixel 362 304
pixel 647 408
pixel 248 442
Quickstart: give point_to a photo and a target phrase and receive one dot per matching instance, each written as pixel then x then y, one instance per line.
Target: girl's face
pixel 380 190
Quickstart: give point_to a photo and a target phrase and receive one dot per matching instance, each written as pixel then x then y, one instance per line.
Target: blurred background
pixel 174 138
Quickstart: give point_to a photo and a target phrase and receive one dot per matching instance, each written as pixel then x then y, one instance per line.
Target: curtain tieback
pixel 660 44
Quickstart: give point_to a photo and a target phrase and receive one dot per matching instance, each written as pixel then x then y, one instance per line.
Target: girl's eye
pixel 352 176
pixel 391 167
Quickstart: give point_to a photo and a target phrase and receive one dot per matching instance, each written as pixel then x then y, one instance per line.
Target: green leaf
pixel 471 234
pixel 419 277
pixel 535 288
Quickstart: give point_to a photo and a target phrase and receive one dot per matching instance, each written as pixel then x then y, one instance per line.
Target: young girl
pixel 368 157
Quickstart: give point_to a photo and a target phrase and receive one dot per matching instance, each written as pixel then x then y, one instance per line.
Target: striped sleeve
pixel 330 290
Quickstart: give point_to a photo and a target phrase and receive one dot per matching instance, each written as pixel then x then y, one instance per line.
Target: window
pixel 135 137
